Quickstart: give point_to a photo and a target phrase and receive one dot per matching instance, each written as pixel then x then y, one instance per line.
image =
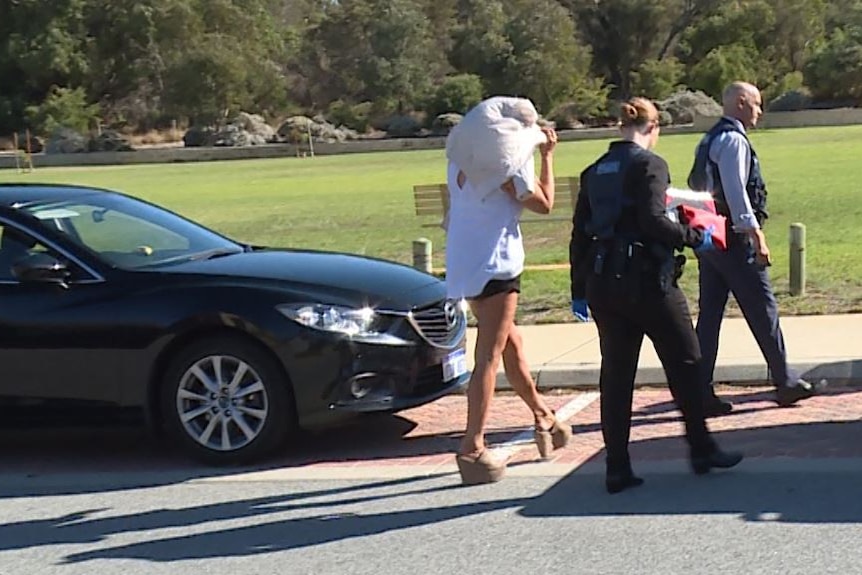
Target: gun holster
pixel 622 263
pixel 678 267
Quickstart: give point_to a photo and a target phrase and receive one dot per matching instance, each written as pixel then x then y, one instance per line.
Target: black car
pixel 113 301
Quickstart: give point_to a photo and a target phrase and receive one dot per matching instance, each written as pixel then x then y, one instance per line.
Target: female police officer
pixel 623 265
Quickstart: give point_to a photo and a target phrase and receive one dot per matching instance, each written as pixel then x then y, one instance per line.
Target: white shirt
pixel 483 239
pixel 732 154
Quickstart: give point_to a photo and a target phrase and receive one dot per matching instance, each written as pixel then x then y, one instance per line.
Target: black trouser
pixel 622 324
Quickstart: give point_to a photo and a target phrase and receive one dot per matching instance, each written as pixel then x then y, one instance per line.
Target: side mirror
pixel 41 268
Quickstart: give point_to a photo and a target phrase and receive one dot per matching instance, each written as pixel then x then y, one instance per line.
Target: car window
pixel 16 245
pixel 112 231
pixel 129 233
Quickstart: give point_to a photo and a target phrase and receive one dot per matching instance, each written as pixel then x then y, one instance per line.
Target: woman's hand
pixel 547 148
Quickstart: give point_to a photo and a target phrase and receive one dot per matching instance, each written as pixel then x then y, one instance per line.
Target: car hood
pixel 375 281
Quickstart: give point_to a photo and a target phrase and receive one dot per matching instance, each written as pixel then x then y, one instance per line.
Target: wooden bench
pixel 432 201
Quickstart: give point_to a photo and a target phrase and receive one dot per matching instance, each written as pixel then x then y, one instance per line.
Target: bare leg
pixel 518 374
pixel 495 316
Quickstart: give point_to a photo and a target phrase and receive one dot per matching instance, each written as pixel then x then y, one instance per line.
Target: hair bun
pixel 637 111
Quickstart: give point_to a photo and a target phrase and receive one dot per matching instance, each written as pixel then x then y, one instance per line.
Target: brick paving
pixel 827 426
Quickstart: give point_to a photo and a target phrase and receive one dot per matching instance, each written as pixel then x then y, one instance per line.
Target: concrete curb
pixel 586 377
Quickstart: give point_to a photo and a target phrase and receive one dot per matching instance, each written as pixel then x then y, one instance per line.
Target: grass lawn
pixel 362 203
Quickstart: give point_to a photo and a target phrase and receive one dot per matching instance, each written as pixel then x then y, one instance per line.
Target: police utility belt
pixel 631 267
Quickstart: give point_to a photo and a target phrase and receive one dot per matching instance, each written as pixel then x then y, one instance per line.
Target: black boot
pixel 620 481
pixel 786 396
pixel 716 459
pixel 715 406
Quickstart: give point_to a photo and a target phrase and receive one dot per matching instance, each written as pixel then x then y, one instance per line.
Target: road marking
pixel 509 449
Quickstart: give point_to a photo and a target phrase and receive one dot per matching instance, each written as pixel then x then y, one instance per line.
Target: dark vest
pixel 620 252
pixel 606 192
pixel 755 187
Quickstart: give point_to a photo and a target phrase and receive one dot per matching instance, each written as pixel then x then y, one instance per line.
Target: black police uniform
pixel 622 262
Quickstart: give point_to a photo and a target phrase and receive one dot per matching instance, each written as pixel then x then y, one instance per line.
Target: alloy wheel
pixel 222 403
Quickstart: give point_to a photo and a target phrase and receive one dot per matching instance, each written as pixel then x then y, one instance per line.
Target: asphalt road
pixel 768 516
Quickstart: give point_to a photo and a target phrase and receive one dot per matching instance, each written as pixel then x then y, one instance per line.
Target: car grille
pixel 436 327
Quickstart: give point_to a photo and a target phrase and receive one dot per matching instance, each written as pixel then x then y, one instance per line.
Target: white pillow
pixel 494 140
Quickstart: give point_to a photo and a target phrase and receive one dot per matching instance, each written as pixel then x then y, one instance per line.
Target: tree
pixel 724 65
pixel 624 34
pixel 834 72
pixel 63 108
pixel 41 45
pixel 524 47
pixel 547 61
pixel 373 50
pixel 206 83
pixel 657 79
pixel 456 94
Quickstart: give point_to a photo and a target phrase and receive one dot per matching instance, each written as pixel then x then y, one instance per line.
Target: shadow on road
pixel 129 456
pixel 801 493
pixel 817 487
pixel 766 394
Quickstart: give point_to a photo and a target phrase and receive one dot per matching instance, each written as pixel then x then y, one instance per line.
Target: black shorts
pixel 494 287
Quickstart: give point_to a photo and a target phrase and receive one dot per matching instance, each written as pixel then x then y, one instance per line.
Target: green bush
pixel 833 71
pixel 456 94
pixel 63 108
pixel 724 65
pixel 589 102
pixel 354 116
pixel 657 79
pixel 565 116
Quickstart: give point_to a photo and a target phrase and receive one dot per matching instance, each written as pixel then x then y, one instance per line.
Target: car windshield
pixel 128 233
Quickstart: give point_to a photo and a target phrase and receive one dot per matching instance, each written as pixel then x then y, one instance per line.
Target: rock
pixel 294 124
pixel 66 141
pixel 235 136
pixel 403 127
pixel 295 130
pixel 664 118
pixel 443 123
pixel 685 105
pixel 109 141
pixel 792 101
pixel 254 124
pixel 36 143
pixel 199 137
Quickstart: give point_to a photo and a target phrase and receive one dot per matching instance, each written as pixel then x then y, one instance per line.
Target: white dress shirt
pixel 731 152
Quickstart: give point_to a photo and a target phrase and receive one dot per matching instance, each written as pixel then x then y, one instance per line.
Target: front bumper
pixel 392 402
pixel 334 378
pixel 389 379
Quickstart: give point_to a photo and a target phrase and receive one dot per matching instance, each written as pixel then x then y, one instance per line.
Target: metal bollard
pixel 422 255
pixel 797 259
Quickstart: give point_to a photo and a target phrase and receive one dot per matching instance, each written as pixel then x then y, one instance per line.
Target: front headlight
pixel 339 319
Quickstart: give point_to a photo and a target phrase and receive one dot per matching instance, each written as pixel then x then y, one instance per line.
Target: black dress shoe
pixel 714 406
pixel 787 396
pixel 616 482
pixel 718 459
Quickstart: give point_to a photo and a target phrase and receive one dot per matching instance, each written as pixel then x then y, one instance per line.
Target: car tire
pixel 227 402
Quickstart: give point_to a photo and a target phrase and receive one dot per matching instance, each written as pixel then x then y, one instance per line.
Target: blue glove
pixel 580 310
pixel 706 244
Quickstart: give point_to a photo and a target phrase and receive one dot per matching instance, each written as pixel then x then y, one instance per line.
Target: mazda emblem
pixel 450 310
